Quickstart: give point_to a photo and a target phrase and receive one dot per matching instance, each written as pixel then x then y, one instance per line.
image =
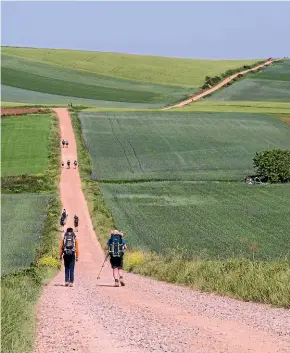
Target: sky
pixel 214 30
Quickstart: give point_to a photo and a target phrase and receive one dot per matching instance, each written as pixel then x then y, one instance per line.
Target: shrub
pixel 48 261
pixel 273 165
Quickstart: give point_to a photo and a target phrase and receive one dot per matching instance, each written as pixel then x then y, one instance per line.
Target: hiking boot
pixel 116 283
pixel 122 281
pixel 66 284
pixel 71 284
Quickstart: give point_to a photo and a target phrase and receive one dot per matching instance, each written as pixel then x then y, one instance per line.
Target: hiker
pixel 62 222
pixel 66 143
pixel 64 214
pixel 69 251
pixel 62 164
pixel 76 222
pixel 68 164
pixel 75 163
pixel 116 245
pixel 63 143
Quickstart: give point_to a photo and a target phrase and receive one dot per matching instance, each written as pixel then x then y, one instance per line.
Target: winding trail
pixel 198 96
pixel 146 315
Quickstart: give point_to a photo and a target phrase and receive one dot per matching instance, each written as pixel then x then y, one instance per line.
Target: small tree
pixel 273 165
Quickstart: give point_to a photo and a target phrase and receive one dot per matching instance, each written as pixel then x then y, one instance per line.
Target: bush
pixel 48 261
pixel 274 165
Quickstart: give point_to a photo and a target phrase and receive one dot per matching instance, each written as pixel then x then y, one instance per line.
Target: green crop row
pixel 178 146
pixel 203 220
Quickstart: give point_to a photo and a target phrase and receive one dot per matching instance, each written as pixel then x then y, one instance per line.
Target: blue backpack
pixel 116 246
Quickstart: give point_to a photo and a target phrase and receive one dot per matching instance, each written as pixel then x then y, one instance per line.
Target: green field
pixel 207 219
pixel 153 69
pixel 21 228
pixel 233 106
pixel 66 82
pixel 271 84
pixel 24 144
pixel 19 95
pixel 178 146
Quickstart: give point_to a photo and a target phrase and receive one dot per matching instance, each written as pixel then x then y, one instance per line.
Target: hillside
pixel 51 76
pixel 271 84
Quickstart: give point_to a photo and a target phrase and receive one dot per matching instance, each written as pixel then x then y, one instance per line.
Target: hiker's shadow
pixel 59 285
pixel 106 285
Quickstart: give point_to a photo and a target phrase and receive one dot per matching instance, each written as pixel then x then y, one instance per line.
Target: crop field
pixel 203 219
pixel 24 144
pixel 272 84
pixel 233 106
pixel 66 82
pixel 153 69
pixel 178 146
pixel 19 95
pixel 21 227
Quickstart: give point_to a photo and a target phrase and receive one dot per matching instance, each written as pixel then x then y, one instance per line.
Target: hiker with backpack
pixel 69 252
pixel 62 222
pixel 116 245
pixel 66 143
pixel 63 143
pixel 75 163
pixel 68 164
pixel 76 222
pixel 64 214
pixel 63 218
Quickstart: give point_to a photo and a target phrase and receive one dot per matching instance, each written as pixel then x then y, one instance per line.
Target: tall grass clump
pixel 258 281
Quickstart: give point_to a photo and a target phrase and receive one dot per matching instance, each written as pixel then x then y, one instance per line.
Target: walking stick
pixel 102 266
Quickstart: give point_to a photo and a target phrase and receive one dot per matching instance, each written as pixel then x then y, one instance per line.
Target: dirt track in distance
pixel 198 96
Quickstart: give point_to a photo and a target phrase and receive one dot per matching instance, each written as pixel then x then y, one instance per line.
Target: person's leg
pixel 66 271
pixel 116 277
pixel 120 272
pixel 72 270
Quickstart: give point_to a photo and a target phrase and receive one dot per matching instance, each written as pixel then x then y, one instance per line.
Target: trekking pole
pixel 102 266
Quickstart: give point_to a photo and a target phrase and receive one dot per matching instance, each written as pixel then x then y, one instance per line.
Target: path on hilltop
pixel 198 96
pixel 146 315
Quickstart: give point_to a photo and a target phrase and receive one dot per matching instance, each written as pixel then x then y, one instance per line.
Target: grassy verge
pixel 258 281
pixel 20 290
pixel 249 280
pixel 43 182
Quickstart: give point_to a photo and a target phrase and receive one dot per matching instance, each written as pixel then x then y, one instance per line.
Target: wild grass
pixel 248 280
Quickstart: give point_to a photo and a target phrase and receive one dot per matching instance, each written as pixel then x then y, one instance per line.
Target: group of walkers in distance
pixel 69 246
pixel 65 143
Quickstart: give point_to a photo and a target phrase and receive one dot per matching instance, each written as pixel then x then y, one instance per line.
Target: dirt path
pixel 146 315
pixel 218 86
